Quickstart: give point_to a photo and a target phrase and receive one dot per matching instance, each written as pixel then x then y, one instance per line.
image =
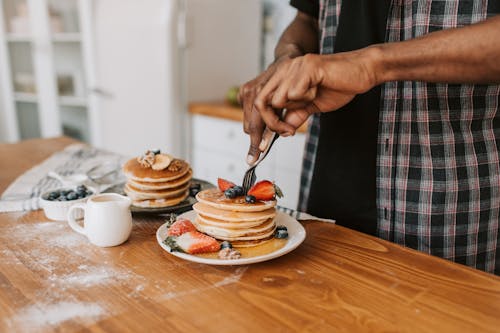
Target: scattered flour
pixel 88 278
pixel 233 278
pixel 36 317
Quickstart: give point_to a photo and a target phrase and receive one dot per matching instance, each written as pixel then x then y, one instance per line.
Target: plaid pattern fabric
pixel 329 12
pixel 438 169
pixel 438 172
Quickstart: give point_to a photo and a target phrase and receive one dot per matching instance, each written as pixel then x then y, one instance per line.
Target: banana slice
pixel 162 161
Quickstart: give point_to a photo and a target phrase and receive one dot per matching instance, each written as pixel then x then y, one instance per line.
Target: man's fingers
pixel 248 96
pixel 255 128
pixel 266 138
pixel 267 113
pixel 274 123
pixel 297 117
pixel 253 150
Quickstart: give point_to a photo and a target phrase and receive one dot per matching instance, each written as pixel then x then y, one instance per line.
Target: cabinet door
pixel 137 75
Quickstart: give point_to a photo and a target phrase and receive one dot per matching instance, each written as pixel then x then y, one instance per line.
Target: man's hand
pixel 253 124
pixel 310 84
pixel 300 37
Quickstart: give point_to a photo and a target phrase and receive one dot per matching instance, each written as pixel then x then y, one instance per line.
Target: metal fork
pixel 249 178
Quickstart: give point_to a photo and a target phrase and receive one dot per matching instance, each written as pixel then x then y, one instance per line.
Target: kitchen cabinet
pixel 133 67
pixel 44 68
pixel 219 149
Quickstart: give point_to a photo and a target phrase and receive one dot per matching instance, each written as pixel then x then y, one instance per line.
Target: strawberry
pixel 224 184
pixel 193 242
pixel 265 190
pixel 180 226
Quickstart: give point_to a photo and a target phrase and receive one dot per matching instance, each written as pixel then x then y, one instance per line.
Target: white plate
pixel 296 235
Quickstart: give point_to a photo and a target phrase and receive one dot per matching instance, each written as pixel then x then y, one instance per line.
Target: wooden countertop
pixel 225 111
pixel 52 279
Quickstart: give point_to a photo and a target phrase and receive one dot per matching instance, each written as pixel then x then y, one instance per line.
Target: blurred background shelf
pixel 23 38
pixel 25 97
pixel 47 69
pixel 72 101
pixel 66 38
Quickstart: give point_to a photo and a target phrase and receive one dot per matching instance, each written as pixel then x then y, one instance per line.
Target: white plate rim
pixel 296 235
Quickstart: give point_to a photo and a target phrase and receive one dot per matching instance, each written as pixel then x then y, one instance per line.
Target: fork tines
pixel 249 179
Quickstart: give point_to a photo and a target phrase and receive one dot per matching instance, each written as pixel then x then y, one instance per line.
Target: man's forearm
pixel 463 55
pixel 301 37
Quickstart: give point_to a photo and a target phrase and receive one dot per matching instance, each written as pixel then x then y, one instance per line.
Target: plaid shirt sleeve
pixel 438 159
pixel 438 171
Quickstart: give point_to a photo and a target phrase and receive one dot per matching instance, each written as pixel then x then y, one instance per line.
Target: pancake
pixel 234 233
pixel 136 194
pixel 160 203
pixel 143 185
pixel 250 243
pixel 215 198
pixel 231 225
pixel 135 171
pixel 233 216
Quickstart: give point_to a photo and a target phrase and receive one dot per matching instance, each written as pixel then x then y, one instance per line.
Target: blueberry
pixel 226 244
pixel 155 151
pixel 250 199
pixel 230 193
pixel 53 195
pixel 62 198
pixel 72 195
pixel 194 189
pixel 81 188
pixel 281 227
pixel 64 192
pixel 239 190
pixel 280 233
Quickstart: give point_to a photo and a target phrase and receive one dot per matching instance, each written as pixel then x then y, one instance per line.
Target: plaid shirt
pixel 438 172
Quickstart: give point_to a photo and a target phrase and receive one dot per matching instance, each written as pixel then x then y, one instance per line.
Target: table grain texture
pixel 338 280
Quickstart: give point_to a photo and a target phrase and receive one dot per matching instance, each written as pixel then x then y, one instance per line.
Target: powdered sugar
pixel 46 248
pixel 37 317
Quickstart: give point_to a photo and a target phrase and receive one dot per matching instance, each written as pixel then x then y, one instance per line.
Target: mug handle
pixel 71 220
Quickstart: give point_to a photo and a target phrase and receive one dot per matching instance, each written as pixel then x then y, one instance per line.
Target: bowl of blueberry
pixel 56 202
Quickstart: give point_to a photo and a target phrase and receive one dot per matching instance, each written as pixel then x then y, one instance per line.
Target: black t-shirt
pixel 310 7
pixel 344 179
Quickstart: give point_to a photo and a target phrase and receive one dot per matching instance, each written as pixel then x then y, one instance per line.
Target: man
pixel 411 152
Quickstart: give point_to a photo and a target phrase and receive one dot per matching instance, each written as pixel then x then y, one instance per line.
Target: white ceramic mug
pixel 107 219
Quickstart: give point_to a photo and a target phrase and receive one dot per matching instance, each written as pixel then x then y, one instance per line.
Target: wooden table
pixel 51 279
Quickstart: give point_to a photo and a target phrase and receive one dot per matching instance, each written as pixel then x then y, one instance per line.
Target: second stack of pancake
pixel 234 220
pixel 157 188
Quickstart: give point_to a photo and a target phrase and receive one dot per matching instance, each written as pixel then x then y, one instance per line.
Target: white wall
pixel 3 130
pixel 279 15
pixel 223 46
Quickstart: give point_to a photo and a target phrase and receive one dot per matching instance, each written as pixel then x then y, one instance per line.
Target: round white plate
pixel 296 235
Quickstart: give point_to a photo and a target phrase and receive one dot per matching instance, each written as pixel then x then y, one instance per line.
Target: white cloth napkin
pixel 302 216
pixel 23 193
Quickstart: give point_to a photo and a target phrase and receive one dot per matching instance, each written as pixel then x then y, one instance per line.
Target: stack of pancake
pixel 243 224
pixel 152 188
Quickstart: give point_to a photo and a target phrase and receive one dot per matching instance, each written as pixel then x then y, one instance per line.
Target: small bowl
pixel 58 210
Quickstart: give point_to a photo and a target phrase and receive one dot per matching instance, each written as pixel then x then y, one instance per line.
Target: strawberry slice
pixel 265 190
pixel 180 227
pixel 224 184
pixel 193 242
